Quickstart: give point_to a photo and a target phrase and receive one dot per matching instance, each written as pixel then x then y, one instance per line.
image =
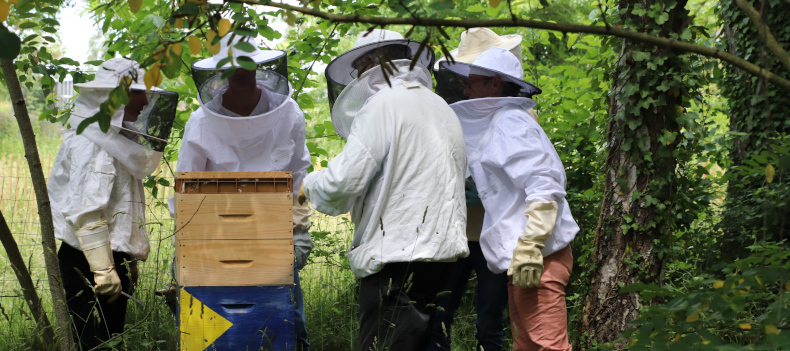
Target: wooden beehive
pixel 234 228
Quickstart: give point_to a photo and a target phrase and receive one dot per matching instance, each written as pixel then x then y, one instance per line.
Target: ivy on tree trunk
pixel 649 91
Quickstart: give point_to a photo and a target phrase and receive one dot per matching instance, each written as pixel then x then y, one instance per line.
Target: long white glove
pixel 527 264
pixel 94 240
pixel 303 243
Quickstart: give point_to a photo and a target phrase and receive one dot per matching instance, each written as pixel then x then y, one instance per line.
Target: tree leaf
pixel 85 123
pixel 223 27
pixel 134 5
pixel 246 63
pixel 211 45
pixel 228 72
pixel 769 173
pixel 5 8
pixel 27 25
pixel 245 32
pixel 475 8
pixel 244 46
pixel 195 45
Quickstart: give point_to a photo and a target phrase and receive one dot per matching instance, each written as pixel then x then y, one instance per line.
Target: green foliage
pixel 746 309
pixel 757 112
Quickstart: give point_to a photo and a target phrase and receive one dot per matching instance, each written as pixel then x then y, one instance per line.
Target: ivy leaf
pixel 662 18
pixel 641 56
pixel 686 35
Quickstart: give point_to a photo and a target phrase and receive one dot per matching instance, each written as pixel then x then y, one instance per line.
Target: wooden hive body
pixel 234 228
pixel 234 260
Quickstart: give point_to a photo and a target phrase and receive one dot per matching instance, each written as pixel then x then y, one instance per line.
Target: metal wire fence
pixel 18 205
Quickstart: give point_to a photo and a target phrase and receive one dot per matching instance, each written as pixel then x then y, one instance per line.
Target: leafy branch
pixel 674 44
pixel 765 32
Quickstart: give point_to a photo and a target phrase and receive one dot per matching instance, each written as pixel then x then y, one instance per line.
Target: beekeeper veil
pixel 451 78
pixel 348 89
pixel 476 115
pixel 138 130
pixel 265 127
pixel 270 76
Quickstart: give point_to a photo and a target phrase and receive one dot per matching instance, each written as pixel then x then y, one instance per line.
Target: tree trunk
pixel 26 282
pixel 44 209
pixel 642 136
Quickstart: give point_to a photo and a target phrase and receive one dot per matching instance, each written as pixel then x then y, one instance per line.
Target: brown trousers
pixel 538 316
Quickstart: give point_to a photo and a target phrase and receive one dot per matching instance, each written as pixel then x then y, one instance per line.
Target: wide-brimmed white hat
pixel 339 71
pixel 227 42
pixel 495 62
pixel 110 72
pixel 475 41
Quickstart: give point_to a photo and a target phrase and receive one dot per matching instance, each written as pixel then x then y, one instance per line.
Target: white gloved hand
pixel 526 267
pixel 94 241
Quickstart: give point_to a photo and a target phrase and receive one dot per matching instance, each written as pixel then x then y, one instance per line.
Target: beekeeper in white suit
pixel 249 123
pixel 401 174
pixel 97 197
pixel 520 178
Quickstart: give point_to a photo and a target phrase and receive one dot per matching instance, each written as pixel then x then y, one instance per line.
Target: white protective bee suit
pixel 405 150
pixel 98 200
pixel 271 138
pixel 96 181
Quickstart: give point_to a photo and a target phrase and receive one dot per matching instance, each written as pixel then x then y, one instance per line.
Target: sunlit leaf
pixel 212 46
pixel 5 8
pixel 194 45
pixel 769 173
pixel 223 26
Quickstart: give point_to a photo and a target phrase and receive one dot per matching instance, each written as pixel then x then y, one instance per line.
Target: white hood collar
pixel 370 83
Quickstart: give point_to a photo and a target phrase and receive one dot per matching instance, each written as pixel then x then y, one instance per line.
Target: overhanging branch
pixel 765 32
pixel 676 45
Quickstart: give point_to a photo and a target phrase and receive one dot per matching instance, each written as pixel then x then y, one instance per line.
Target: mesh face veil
pixel 450 82
pixel 340 72
pixel 152 126
pixel 276 61
pixel 275 93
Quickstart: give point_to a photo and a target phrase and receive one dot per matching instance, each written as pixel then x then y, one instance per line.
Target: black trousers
pixel 397 305
pixel 94 320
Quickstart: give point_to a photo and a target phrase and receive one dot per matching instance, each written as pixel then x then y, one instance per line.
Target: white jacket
pixel 513 163
pixel 274 142
pixel 401 174
pixel 88 184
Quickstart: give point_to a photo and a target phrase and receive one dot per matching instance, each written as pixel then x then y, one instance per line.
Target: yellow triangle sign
pixel 200 325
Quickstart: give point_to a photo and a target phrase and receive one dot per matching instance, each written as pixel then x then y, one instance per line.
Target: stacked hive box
pixel 234 260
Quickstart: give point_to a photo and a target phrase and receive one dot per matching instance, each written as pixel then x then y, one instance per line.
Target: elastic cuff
pixel 94 237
